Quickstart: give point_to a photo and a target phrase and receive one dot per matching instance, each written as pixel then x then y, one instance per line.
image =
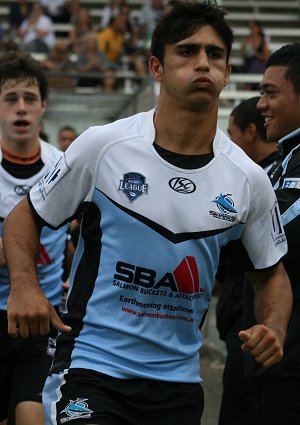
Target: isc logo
pixel 185 277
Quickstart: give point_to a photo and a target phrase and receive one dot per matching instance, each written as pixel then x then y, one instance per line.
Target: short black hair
pixel 184 18
pixel 22 66
pixel 246 113
pixel 67 128
pixel 289 56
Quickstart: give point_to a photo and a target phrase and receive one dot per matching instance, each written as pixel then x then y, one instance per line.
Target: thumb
pixel 244 335
pixel 57 322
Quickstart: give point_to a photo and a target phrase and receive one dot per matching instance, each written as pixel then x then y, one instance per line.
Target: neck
pixel 266 149
pixel 185 132
pixel 19 158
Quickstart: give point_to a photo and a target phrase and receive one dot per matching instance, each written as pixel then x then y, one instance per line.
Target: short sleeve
pixel 58 195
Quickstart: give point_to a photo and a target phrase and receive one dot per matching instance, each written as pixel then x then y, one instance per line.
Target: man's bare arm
pixel 273 306
pixel 2 259
pixel 29 311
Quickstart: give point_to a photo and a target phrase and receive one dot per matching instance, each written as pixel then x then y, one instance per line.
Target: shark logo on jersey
pixel 76 409
pixel 225 205
pixel 133 186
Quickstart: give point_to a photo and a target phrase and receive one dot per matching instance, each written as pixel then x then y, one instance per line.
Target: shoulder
pixel 120 130
pixel 231 152
pixel 237 160
pixel 50 152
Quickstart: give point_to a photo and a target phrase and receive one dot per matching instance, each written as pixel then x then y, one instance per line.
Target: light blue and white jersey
pixel 53 243
pixel 151 234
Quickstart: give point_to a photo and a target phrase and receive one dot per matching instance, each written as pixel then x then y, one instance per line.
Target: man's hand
pixel 30 313
pixel 263 343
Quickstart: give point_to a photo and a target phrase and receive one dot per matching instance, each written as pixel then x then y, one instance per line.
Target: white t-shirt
pixel 44 23
pixel 53 6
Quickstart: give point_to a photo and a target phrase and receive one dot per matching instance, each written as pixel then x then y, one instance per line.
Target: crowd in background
pixel 118 41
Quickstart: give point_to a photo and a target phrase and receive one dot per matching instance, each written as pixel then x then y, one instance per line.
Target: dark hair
pixel 245 113
pixel 21 66
pixel 289 56
pixel 184 18
pixel 67 128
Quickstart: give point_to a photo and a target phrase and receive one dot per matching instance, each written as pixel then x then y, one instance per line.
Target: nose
pixel 21 105
pixel 262 103
pixel 201 60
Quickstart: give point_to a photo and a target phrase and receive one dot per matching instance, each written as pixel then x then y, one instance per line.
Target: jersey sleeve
pixel 288 195
pixel 263 236
pixel 288 188
pixel 59 194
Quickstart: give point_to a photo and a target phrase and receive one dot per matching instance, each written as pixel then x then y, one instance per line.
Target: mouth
pixel 268 120
pixel 21 125
pixel 202 82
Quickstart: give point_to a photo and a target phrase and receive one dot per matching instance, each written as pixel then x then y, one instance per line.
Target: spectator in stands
pixel 59 10
pixel 111 39
pixel 66 135
pixel 134 54
pixel 58 60
pixel 37 31
pixel 114 8
pixel 91 59
pixel 18 11
pixel 150 14
pixel 83 25
pixel 118 48
pixel 255 49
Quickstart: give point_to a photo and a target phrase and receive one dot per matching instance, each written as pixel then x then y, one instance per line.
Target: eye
pixel 11 98
pixel 30 99
pixel 215 53
pixel 268 92
pixel 186 51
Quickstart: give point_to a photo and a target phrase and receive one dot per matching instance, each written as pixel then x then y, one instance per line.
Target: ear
pixel 44 105
pixel 251 132
pixel 227 74
pixel 156 68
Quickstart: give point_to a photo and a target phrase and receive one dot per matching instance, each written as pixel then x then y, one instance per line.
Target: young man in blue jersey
pixel 160 193
pixel 24 159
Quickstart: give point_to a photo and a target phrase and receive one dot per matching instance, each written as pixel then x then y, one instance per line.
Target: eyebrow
pixel 266 86
pixel 15 93
pixel 199 45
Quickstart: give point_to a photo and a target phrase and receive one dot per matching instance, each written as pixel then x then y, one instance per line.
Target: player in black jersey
pixel 239 403
pixel 280 107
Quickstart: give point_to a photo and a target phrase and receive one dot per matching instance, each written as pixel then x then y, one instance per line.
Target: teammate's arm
pixel 273 306
pixel 2 259
pixel 29 311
